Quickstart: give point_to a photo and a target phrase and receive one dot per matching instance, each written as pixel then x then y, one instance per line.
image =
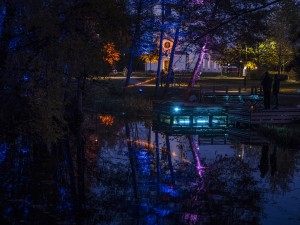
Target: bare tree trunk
pixel 198 65
pixel 162 30
pixel 199 167
pixel 174 47
pixel 135 38
pixel 172 56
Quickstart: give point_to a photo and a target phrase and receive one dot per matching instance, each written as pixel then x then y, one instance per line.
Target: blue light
pixel 215 121
pixel 14 43
pixel 26 77
pixel 3 151
pixel 202 121
pixel 161 211
pixel 2 17
pixel 176 109
pixel 184 121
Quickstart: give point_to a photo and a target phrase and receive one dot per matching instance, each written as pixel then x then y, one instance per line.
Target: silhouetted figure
pixel 267 87
pixel 276 87
pixel 273 161
pixel 264 161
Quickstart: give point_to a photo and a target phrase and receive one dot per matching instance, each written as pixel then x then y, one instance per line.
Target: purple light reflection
pixel 199 167
pixel 190 218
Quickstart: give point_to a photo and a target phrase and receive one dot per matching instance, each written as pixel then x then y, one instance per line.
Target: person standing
pixel 125 70
pixel 267 87
pixel 276 87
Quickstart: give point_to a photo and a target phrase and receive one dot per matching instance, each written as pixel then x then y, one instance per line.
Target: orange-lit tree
pixel 110 54
pixel 151 57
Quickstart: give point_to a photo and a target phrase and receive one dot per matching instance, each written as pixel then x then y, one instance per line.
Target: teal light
pixel 184 121
pixel 202 121
pixel 177 109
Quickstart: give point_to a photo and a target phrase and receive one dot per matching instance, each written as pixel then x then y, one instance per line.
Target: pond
pixel 134 174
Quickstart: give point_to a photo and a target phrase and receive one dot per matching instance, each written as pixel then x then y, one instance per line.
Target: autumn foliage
pixel 110 54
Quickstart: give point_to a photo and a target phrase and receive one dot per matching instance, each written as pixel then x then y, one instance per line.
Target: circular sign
pixel 167 45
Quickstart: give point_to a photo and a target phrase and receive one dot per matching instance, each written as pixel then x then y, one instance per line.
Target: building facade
pixel 183 61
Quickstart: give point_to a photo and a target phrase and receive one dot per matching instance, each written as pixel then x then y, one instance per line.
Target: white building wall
pixel 187 62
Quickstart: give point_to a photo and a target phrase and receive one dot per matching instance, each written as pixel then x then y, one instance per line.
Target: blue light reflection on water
pixel 3 151
pixel 209 154
pixel 20 187
pixel 174 199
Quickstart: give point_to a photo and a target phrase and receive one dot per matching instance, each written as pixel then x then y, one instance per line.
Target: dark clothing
pixel 276 84
pixel 267 87
pixel 276 87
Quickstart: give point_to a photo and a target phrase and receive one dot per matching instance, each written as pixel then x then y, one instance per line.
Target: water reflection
pixel 34 187
pixel 136 175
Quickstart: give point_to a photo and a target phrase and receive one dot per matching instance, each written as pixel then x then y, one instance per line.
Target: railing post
pixel 226 90
pixel 239 90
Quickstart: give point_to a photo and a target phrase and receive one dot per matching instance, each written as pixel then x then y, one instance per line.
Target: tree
pixel 111 55
pixel 218 24
pixel 141 21
pixel 151 57
pixel 44 45
pixel 279 26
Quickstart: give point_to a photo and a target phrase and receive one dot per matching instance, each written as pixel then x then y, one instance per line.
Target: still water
pixel 134 175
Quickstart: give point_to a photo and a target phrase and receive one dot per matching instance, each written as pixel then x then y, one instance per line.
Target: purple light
pixel 191 218
pixel 199 167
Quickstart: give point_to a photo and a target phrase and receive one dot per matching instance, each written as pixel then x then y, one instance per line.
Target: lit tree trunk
pixel 174 47
pixel 198 65
pixel 199 167
pixel 130 66
pixel 172 56
pixel 135 38
pixel 160 47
